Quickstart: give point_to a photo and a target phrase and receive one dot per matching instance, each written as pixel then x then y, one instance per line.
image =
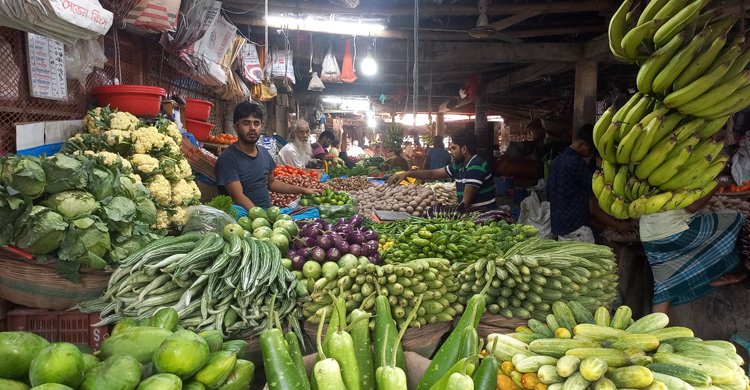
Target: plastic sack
pixel 330 72
pixel 81 59
pixel 338 211
pixel 251 68
pixel 741 162
pixel 316 84
pixel 206 219
pixel 281 65
pixel 348 74
pixel 537 214
pixel 155 15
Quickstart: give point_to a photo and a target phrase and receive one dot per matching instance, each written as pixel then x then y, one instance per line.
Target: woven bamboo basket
pixel 37 285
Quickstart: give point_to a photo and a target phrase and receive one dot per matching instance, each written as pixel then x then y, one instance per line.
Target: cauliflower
pixel 176 168
pixel 124 121
pixel 143 163
pixel 115 137
pixel 161 190
pixel 173 149
pixel 182 193
pixel 172 131
pixel 162 220
pixel 92 122
pixel 196 191
pixel 179 217
pixel 147 139
pixel 136 178
pixel 184 167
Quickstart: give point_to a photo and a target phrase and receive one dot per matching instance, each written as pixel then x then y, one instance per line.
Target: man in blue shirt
pixel 569 191
pixel 437 156
pixel 475 187
pixel 244 171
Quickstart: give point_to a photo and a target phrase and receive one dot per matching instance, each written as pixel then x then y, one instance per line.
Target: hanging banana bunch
pixel 659 149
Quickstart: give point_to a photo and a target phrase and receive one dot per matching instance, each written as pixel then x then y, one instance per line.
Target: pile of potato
pixel 348 184
pixel 284 200
pixel 720 202
pixel 445 193
pixel 412 199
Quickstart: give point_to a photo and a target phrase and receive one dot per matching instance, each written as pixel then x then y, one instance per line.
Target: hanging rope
pixel 408 56
pixel 265 48
pixel 416 63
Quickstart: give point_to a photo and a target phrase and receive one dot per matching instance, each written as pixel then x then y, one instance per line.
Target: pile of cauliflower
pixel 149 151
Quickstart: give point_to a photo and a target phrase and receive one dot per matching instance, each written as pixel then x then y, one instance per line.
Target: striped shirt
pixel 476 174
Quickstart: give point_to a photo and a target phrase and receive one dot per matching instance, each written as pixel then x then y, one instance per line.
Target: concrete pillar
pixel 440 123
pixel 481 129
pixel 584 100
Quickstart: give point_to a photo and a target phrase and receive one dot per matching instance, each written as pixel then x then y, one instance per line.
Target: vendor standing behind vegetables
pixel 475 188
pixel 244 171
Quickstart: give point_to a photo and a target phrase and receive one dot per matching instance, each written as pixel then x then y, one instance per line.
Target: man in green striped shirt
pixel 475 187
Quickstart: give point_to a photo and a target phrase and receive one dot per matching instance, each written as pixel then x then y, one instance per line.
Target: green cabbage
pixel 41 231
pixel 11 208
pixel 123 246
pixel 120 214
pixel 85 241
pixel 146 210
pixel 64 173
pixel 72 204
pixel 100 183
pixel 127 187
pixel 23 174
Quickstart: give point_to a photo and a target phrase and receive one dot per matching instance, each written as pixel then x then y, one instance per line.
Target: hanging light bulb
pixel 369 66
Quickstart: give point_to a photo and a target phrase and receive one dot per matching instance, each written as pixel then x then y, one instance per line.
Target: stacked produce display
pixel 87 210
pixel 412 199
pixel 296 176
pixel 528 278
pixel 658 148
pixel 331 204
pixel 574 349
pixel 154 355
pixel 223 282
pixel 149 150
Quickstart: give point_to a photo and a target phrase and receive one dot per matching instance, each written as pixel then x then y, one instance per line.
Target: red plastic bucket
pixel 139 100
pixel 199 129
pixel 197 109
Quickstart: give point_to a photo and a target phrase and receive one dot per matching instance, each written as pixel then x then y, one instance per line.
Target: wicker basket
pixel 495 323
pixel 39 286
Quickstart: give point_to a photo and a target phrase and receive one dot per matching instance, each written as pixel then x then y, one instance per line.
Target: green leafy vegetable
pixel 11 208
pixel 86 241
pixel 64 173
pixel 23 174
pixel 72 204
pixel 120 214
pixel 41 231
pixel 100 183
pixel 223 203
pixel 146 210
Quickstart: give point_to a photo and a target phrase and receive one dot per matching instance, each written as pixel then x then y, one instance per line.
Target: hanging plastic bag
pixel 281 65
pixel 316 84
pixel 266 93
pixel 155 15
pixel 741 162
pixel 330 72
pixel 537 214
pixel 348 75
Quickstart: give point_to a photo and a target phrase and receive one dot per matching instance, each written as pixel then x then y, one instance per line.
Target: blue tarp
pixel 312 213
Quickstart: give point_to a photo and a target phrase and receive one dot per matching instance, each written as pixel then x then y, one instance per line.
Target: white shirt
pixel 290 155
pixel 355 151
pixel 662 225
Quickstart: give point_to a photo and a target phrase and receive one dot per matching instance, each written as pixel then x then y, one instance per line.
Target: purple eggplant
pixel 298 261
pixel 343 246
pixel 356 220
pixel 355 237
pixel 318 254
pixel 333 254
pixel 326 241
pixel 370 235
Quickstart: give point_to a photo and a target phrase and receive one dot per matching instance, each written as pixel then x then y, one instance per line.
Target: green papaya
pixel 214 338
pixel 165 318
pixel 144 322
pixel 140 342
pixel 123 324
pixel 57 363
pixel 183 354
pixel 161 382
pixel 193 385
pixel 10 384
pixel 241 376
pixel 220 365
pixel 239 347
pixel 17 349
pixel 89 361
pixel 121 372
pixel 52 386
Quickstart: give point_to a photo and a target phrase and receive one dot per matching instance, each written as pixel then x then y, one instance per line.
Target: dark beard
pixel 458 160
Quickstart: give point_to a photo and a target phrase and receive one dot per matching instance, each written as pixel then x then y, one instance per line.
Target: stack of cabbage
pixel 155 355
pixel 151 151
pixel 658 149
pixel 613 353
pixel 84 208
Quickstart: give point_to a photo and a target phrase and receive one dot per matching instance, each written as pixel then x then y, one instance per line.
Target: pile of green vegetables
pixel 459 240
pixel 153 355
pixel 361 284
pixel 527 279
pixel 358 169
pixel 84 211
pixel 331 204
pixel 225 283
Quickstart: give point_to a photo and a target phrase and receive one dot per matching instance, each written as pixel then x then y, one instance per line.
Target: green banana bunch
pixel 626 145
pixel 687 174
pixel 709 174
pixel 678 22
pixel 605 199
pixel 620 182
pixel 708 148
pixel 644 142
pixel 697 87
pixel 635 115
pixel 609 171
pixel 616 30
pixel 597 183
pixel 669 168
pixel 602 124
pixel 712 127
pixel 619 208
pixel 671 121
pixel 608 144
pixel 700 63
pixel 639 35
pixel 679 62
pixel 734 103
pixel 651 10
pixel 655 203
pixel 716 94
pixel 656 63
pixel 655 158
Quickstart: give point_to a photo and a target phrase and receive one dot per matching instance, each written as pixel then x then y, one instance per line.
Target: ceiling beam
pixel 512 20
pixel 503 52
pixel 526 75
pixel 425 11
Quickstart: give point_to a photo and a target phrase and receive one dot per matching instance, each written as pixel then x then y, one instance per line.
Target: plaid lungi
pixel 685 263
